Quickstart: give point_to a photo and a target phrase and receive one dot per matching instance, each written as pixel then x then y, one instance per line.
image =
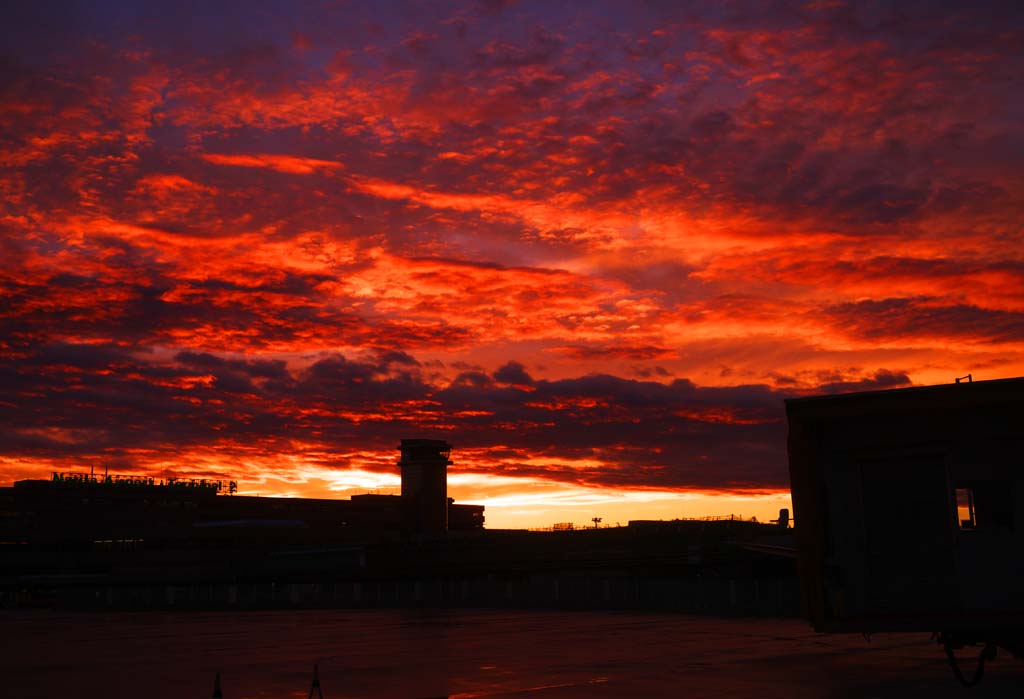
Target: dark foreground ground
pixel 464 654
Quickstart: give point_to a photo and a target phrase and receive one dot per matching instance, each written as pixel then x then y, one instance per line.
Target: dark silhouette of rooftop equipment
pixel 783 520
pixel 424 465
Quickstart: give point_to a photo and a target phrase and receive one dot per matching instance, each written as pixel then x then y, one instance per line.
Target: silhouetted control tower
pixel 425 486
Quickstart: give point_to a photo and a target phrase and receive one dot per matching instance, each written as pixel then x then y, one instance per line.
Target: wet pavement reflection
pixel 404 654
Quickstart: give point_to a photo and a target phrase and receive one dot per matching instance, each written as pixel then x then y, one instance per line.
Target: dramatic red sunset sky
pixel 592 245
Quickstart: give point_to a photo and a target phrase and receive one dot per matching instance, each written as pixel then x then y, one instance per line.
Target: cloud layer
pixel 594 245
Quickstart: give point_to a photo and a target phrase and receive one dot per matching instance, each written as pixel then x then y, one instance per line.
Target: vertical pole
pixel 316 684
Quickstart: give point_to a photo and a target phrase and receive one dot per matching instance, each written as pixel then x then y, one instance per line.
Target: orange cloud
pixel 280 163
pixel 507 235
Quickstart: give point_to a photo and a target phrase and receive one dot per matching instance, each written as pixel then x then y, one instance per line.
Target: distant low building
pixel 82 511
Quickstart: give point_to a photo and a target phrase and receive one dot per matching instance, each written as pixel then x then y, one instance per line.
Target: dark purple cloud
pixel 297 232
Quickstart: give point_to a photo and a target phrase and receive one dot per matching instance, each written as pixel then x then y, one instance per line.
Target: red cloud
pixel 520 217
pixel 281 163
